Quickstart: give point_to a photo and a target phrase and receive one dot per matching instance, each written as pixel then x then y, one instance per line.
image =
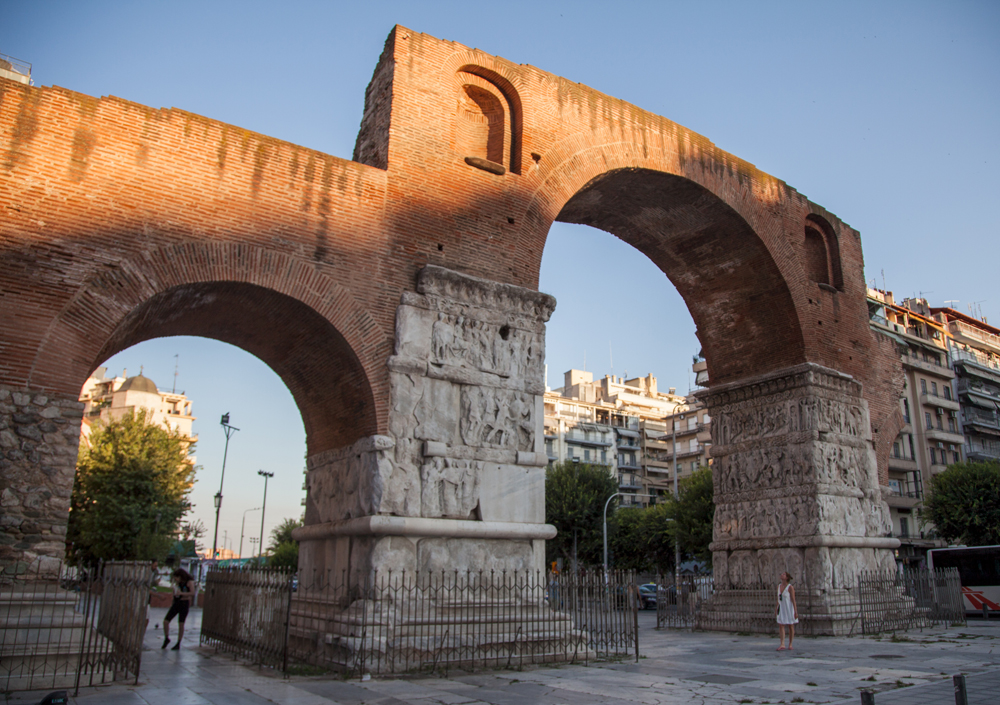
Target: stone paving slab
pixel 676 667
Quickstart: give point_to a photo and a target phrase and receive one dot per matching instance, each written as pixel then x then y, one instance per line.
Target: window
pixel 955 457
pixel 586 455
pixel 947 391
pixel 934 456
pixel 604 456
pixel 934 388
pixel 951 425
pixel 895 450
pixel 904 527
pixel 923 386
pixel 694 465
pixel 906 411
pixel 927 419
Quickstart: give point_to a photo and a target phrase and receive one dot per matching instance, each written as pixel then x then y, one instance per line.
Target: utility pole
pixel 229 431
pixel 243 527
pixel 677 544
pixel 263 508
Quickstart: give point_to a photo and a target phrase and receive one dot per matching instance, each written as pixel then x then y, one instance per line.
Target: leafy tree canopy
pixel 641 540
pixel 693 513
pixel 282 533
pixel 964 503
pixel 131 491
pixel 284 555
pixel 575 494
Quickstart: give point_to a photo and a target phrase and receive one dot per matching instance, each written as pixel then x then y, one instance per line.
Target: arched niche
pixel 822 253
pixel 489 119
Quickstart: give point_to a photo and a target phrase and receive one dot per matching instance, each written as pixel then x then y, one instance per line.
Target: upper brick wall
pixel 109 204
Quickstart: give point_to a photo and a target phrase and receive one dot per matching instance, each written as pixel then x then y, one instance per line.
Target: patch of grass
pixel 871 677
pixel 812 684
pixel 798 700
pixel 901 684
pixel 745 700
pixel 898 639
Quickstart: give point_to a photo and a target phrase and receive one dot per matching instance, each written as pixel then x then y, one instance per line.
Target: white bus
pixel 978 570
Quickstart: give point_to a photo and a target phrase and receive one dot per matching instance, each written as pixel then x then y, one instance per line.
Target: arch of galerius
pixel 396 296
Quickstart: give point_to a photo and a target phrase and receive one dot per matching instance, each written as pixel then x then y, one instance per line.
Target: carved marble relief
pixel 496 348
pixel 349 482
pixel 450 488
pixel 498 418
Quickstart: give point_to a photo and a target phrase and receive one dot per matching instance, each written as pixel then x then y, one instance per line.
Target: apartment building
pixel 974 349
pixel 604 423
pixel 109 398
pixel 932 437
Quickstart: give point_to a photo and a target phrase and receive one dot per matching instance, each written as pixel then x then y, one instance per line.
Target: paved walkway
pixel 675 668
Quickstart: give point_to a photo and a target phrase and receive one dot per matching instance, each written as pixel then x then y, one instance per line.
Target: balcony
pixel 923 365
pixel 902 464
pixel 15 69
pixel 981 417
pixel 629 485
pixel 928 399
pixel 939 434
pixel 903 500
pixel 962 330
pixel 628 465
pixel 587 442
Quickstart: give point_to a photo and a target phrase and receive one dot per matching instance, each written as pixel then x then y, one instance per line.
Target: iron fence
pixel 400 622
pixel 877 603
pixel 62 627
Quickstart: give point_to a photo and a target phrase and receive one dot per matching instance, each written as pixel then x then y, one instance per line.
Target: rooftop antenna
pixel 921 294
pixel 176 363
pixel 950 301
pixel 883 281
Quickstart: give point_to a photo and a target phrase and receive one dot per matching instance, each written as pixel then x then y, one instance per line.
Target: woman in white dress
pixel 787 612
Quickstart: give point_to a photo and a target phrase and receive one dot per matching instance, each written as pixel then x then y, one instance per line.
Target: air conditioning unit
pixel 940 445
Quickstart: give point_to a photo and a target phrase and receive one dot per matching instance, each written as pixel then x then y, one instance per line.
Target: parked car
pixel 647 593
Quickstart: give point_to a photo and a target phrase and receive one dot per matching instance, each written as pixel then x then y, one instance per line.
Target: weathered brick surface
pixel 122 222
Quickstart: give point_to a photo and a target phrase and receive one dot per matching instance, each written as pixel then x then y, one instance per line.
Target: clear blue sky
pixel 885 113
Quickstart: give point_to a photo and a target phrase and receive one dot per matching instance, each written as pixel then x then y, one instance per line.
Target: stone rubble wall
pixel 39 441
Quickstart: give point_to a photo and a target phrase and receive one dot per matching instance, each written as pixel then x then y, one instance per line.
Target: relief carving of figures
pixel 464 342
pixel 838 417
pixel 449 487
pixel 747 424
pixel 497 418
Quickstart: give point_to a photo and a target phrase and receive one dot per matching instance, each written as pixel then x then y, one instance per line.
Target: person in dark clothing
pixel 183 596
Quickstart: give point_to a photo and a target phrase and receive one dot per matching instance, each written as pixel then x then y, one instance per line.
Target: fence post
pixel 961 696
pixel 867 697
pixel 288 625
pixel 635 614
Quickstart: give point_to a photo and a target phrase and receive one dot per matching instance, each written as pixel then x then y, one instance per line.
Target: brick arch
pixel 307 328
pixel 704 233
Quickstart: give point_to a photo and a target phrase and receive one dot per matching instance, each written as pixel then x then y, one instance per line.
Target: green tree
pixel 575 494
pixel 284 550
pixel 282 533
pixel 284 555
pixel 692 514
pixel 131 491
pixel 964 503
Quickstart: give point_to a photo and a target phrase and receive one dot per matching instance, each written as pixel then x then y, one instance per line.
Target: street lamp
pixel 616 494
pixel 229 431
pixel 677 541
pixel 243 526
pixel 263 507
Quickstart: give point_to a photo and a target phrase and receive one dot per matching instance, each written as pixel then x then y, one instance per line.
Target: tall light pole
pixel 243 526
pixel 677 543
pixel 616 494
pixel 263 508
pixel 229 431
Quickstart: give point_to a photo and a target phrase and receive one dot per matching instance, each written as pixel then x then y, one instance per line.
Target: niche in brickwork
pixel 822 253
pixel 488 128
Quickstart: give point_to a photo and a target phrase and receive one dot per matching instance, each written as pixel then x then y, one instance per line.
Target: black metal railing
pixel 879 602
pixel 402 622
pixel 64 627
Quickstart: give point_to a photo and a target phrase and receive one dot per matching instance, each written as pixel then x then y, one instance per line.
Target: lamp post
pixel 263 508
pixel 229 431
pixel 243 527
pixel 616 494
pixel 677 543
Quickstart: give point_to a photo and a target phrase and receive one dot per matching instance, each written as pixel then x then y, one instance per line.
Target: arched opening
pixel 822 253
pixel 323 396
pixel 741 305
pixel 305 350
